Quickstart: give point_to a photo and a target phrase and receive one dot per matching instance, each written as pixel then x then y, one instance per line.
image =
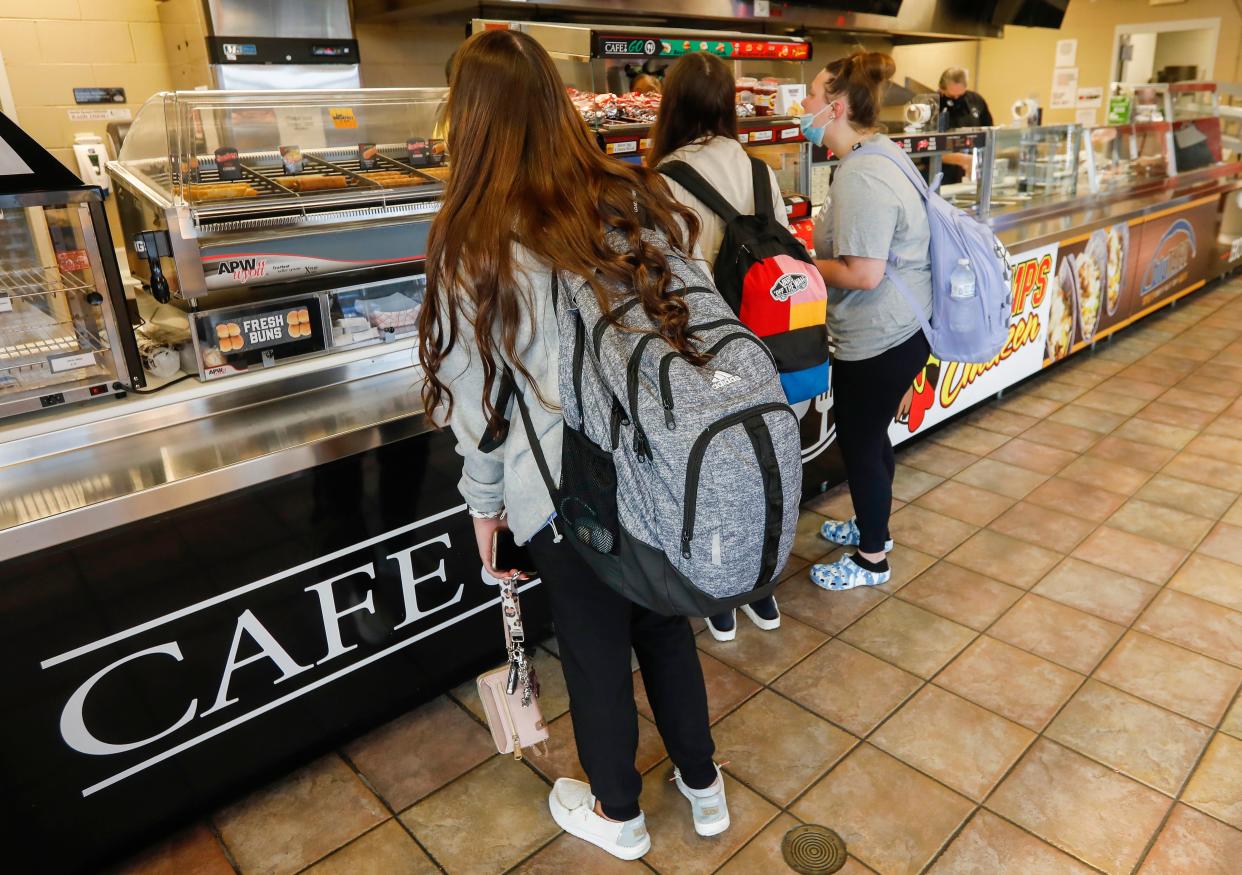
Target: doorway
pixel 1166 51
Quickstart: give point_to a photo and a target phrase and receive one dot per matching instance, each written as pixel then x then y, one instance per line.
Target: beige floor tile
pixel 394 757
pixel 989 846
pixel 1109 595
pixel 1077 499
pixel 835 504
pixel 1194 842
pixel 1224 425
pixel 1033 456
pixel 763 854
pixel 1062 634
pixel 726 689
pixel 1123 385
pixel 1194 400
pixel 928 531
pixel 959 743
pixel 1232 723
pixel 1020 686
pixel 306 815
pixel 1103 474
pixel 765 655
pixel 1216 786
pixel 1195 624
pixel 1209 472
pixel 1219 447
pixel 793 567
pixel 1029 405
pixel 1205 501
pixel 847 686
pixel 191 851
pixel 909 483
pixel 1225 542
pixel 828 611
pixel 868 798
pixel 1233 516
pixel 506 807
pixel 1171 526
pixel 935 458
pixel 567 854
pixel 967 503
pixel 1098 421
pixel 1006 559
pixel 1133 453
pixel 1152 374
pixel 1043 526
pixel 1058 435
pixel 909 637
pixel 676 847
pixel 1004 422
pixel 808 544
pixel 969 439
pixel 1054 390
pixel 385 850
pixel 1139 739
pixel 1130 554
pixel 1211 579
pixel 1212 386
pixel 1173 414
pixel 1171 676
pixel 561 760
pixel 1173 437
pixel 906 564
pixel 1074 803
pixel 1000 477
pixel 961 595
pixel 1111 402
pixel 777 747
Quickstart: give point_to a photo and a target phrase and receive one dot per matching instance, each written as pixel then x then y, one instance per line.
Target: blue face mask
pixel 814 134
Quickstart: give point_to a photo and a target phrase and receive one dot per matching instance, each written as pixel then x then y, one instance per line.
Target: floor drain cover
pixel 813 850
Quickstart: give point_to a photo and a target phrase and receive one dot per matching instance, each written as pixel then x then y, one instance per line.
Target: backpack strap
pixel 692 181
pixel 761 182
pixel 536 448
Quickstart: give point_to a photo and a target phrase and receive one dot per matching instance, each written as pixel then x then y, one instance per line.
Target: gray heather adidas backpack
pixel 680 484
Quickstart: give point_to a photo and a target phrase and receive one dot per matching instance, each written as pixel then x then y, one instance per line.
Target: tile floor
pixel 1048 684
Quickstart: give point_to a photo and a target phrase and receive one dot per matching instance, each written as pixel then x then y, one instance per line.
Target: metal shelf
pixel 26 346
pixel 34 281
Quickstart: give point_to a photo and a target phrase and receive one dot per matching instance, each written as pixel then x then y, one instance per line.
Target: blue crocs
pixel 845 574
pixel 845 533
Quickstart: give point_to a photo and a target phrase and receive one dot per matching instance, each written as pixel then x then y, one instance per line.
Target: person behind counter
pixel 873 211
pixel 531 193
pixel 698 125
pixel 962 109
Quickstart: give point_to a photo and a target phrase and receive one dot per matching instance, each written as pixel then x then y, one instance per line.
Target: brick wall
pixel 78 43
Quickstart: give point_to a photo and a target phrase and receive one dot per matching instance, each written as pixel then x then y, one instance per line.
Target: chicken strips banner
pixel 944 389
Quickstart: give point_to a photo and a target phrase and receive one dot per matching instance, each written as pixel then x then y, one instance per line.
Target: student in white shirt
pixel 698 125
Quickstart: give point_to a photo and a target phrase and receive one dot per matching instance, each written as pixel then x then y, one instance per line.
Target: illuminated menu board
pixel 638 46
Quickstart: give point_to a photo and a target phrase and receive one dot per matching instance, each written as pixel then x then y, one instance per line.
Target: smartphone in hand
pixel 508 556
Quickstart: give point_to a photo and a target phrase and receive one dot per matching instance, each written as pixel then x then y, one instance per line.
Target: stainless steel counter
pixel 143 460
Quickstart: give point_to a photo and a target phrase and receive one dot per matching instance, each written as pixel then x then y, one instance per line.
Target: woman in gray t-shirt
pixel 873 212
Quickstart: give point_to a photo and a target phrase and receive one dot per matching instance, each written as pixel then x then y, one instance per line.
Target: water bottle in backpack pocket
pixel 971 294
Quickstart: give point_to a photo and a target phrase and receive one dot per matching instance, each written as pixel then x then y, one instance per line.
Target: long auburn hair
pixel 526 169
pixel 698 102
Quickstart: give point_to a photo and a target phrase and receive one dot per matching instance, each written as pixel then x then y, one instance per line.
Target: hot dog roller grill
pixel 283 224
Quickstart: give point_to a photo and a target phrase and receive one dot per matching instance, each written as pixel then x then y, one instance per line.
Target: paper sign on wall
pixel 1090 97
pixel 1064 88
pixel 1085 117
pixel 1067 52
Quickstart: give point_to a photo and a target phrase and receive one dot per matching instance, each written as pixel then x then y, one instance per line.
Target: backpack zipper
pixel 695 463
pixel 597 333
pixel 635 365
pixel 666 364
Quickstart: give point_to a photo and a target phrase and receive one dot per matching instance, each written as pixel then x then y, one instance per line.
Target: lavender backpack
pixel 956 235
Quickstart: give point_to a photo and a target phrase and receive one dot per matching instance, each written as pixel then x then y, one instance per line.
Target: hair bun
pixel 877 66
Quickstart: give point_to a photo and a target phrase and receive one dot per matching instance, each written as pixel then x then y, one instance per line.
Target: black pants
pixel 596 628
pixel 865 396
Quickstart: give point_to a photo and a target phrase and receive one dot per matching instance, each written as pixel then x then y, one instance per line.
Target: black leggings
pixel 865 396
pixel 596 628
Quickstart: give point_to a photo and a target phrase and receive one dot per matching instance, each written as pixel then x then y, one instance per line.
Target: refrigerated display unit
pixel 64 332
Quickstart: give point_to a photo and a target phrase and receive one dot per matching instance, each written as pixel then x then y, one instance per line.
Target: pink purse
pixel 510 693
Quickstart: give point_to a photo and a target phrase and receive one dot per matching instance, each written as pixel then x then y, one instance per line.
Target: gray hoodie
pixel 508 477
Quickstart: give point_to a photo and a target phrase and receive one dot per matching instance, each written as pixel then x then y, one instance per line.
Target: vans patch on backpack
pixel 789 285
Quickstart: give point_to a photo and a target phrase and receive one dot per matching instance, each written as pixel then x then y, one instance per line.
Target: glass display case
pixel 1118 157
pixel 62 338
pixel 1030 166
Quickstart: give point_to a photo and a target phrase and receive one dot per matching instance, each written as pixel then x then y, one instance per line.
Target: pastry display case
pixel 63 330
pixel 242 208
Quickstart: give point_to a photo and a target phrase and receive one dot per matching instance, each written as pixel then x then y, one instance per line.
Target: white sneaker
pixel 723 626
pixel 765 606
pixel 708 807
pixel 573 808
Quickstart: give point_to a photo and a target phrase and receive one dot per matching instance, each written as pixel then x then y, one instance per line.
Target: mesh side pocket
pixel 588 492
